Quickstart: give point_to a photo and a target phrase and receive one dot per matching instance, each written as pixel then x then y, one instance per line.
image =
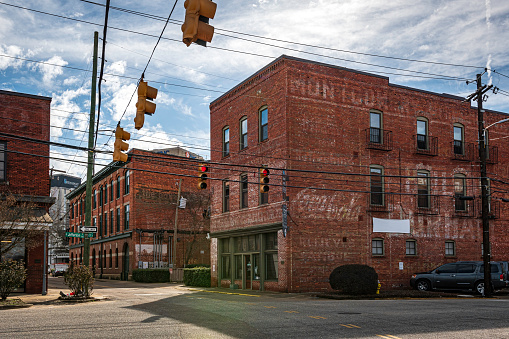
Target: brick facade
pixel 27 167
pixel 151 199
pixel 319 133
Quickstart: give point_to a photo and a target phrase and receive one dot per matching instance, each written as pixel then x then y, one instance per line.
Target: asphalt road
pixel 173 311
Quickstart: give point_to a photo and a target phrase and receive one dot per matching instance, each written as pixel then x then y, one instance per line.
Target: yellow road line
pixel 317 317
pixel 230 293
pixel 269 306
pixel 388 336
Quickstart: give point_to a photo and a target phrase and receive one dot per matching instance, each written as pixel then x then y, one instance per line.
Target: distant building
pixel 134 207
pixel 362 171
pixel 24 174
pixel 58 247
pixel 178 151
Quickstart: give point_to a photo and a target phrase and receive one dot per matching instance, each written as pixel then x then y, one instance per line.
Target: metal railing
pixel 425 144
pixel 377 138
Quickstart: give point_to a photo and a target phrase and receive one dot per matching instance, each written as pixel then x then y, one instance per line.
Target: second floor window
pixel 375 127
pixel 226 141
pixel 422 133
pixel 458 139
pixel 264 124
pixel 243 133
pixel 105 223
pixel 226 196
pixel 126 217
pixel 111 222
pixel 118 187
pixel 94 199
pixel 243 191
pixel 118 219
pixel 423 190
pixel 376 183
pixel 112 195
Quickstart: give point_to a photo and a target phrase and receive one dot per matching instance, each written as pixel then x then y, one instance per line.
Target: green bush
pixel 198 276
pixel 80 280
pixel 151 275
pixel 354 279
pixel 12 275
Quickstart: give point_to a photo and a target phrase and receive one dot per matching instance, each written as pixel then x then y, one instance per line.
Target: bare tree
pixel 198 216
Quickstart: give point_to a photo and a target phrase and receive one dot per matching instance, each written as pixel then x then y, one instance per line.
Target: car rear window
pixel 494 268
pixel 447 268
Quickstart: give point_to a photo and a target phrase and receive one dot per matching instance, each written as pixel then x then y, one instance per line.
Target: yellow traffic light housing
pixel 202 176
pixel 264 180
pixel 120 145
pixel 145 92
pixel 196 27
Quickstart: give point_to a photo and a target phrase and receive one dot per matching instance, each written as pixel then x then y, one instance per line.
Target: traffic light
pixel 143 106
pixel 202 177
pixel 120 145
pixel 264 180
pixel 196 27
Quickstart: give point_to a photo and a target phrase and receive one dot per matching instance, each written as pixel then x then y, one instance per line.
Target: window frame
pixel 459 144
pixel 423 144
pixel 375 133
pixel 374 249
pixel 226 143
pixel 244 191
pixel 118 187
pixel 411 248
pixel 118 219
pixel 448 248
pixel 460 205
pixel 112 219
pixel 226 196
pixel 371 186
pixel 127 182
pixel 263 127
pixel 243 141
pixel 423 174
pixel 126 217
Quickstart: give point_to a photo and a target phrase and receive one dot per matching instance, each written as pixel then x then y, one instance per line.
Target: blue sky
pixel 46 49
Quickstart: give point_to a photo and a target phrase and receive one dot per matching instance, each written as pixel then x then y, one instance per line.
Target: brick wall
pixel 318 116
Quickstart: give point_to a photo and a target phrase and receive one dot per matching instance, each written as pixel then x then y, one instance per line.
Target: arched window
pixel 422 133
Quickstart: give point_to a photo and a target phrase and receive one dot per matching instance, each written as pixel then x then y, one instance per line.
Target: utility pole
pixel 175 230
pixel 90 165
pixel 484 188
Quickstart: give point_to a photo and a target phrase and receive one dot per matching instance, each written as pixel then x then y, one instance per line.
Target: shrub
pixel 12 275
pixel 354 279
pixel 151 275
pixel 80 280
pixel 198 276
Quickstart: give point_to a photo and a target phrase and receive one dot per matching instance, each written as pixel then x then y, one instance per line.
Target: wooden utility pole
pixel 90 165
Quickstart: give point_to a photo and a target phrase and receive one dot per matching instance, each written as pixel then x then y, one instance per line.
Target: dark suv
pixel 461 275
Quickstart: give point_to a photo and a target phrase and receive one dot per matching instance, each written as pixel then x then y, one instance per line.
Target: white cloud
pixel 51 69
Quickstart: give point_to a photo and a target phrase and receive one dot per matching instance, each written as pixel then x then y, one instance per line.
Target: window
pixel 101 193
pixel 105 223
pixel 263 124
pixel 100 229
pixel 116 257
pixel 411 247
pixel 118 219
pixel 377 247
pixel 447 268
pixel 225 258
pixel 459 147
pixel 376 183
pixel 126 217
pixel 127 182
pixel 105 193
pixel 112 196
pixel 450 248
pixel 94 200
pixel 72 211
pixel 243 133
pixel 465 268
pixel 3 161
pixel 422 133
pixel 226 141
pixel 111 259
pixel 459 191
pixel 375 127
pixel 423 189
pixel 243 191
pixel 271 255
pixel 111 222
pixel 226 196
pixel 118 187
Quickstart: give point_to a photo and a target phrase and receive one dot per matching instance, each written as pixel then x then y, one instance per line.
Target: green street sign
pixel 78 235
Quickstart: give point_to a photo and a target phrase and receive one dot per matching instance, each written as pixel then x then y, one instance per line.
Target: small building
pixel 25 181
pixel 322 166
pixel 134 207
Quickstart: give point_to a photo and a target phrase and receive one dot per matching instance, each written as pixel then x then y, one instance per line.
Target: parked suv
pixel 461 275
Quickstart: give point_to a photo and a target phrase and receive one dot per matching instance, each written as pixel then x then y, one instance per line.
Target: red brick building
pixel 133 207
pixel 24 173
pixel 372 171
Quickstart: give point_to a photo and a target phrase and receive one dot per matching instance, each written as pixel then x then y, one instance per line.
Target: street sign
pixel 88 229
pixel 78 235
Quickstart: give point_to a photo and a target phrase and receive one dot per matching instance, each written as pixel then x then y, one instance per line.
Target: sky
pixel 46 49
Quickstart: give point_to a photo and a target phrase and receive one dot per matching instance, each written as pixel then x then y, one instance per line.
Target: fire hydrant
pixel 378 288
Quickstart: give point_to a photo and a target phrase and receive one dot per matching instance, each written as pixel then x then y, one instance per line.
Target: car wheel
pixel 423 285
pixel 479 288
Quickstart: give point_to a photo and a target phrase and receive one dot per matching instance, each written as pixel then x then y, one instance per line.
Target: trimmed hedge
pixel 151 275
pixel 198 276
pixel 354 279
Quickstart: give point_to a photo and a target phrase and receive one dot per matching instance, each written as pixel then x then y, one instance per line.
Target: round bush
pixel 354 279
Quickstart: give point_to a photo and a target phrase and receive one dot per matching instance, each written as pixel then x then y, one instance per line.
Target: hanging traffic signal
pixel 143 106
pixel 196 27
pixel 202 177
pixel 120 145
pixel 264 180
